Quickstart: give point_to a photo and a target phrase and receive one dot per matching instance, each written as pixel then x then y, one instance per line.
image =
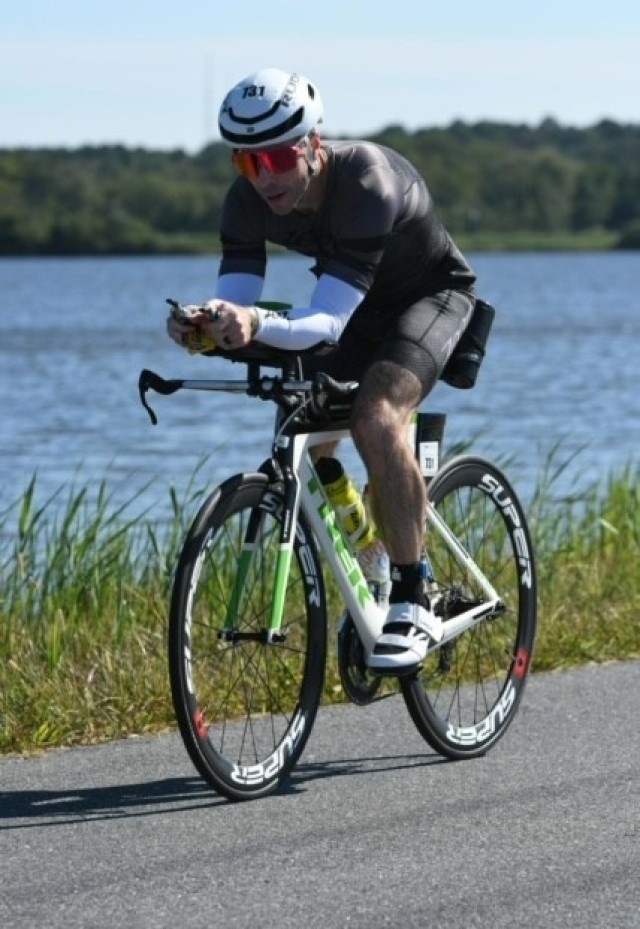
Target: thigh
pixel 424 335
pixel 419 339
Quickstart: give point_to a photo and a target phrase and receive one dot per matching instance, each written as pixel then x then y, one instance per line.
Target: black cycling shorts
pixel 420 338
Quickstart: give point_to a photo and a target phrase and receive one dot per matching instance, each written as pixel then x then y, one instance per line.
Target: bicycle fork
pixel 250 546
pixel 286 452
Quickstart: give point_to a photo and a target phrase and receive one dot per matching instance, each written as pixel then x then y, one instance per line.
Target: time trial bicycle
pixel 248 623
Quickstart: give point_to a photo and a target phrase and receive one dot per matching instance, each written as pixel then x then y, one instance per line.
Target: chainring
pixel 359 683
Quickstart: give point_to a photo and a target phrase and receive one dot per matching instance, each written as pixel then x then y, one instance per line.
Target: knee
pixel 373 426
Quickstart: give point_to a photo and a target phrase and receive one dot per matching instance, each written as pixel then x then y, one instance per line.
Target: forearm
pixel 332 305
pixel 298 328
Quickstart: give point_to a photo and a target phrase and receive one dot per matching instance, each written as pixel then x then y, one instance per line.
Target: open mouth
pixel 276 197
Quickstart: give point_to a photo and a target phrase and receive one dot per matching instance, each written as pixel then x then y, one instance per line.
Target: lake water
pixel 74 334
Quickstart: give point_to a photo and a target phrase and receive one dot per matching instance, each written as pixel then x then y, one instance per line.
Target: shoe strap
pixel 427 622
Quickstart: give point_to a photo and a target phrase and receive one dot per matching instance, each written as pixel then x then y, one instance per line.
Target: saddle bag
pixel 461 370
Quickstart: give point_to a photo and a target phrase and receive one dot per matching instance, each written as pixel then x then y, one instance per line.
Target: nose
pixel 265 177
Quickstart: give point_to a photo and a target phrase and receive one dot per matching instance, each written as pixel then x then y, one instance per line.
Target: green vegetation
pixel 496 186
pixel 587 550
pixel 84 591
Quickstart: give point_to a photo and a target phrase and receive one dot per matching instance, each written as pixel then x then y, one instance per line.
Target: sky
pixel 153 73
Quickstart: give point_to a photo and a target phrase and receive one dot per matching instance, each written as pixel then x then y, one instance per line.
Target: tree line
pixel 488 179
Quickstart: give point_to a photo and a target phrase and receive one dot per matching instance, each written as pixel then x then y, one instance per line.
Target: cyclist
pixel 392 289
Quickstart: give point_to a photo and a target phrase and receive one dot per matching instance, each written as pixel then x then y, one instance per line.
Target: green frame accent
pixel 246 557
pixel 283 565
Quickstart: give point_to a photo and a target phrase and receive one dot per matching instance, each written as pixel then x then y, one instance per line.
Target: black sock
pixel 408 584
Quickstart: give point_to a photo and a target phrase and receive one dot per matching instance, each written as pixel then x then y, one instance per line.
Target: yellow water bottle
pixel 346 501
pixel 352 513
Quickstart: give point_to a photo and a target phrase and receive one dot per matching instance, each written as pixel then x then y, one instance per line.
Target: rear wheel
pixel 245 701
pixel 467 692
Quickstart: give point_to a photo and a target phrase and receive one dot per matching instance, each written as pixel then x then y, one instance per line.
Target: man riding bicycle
pixel 392 290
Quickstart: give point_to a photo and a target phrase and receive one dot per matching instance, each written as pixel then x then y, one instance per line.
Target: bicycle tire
pixel 245 707
pixel 467 693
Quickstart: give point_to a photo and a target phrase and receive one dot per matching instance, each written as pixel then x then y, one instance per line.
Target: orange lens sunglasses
pixel 276 161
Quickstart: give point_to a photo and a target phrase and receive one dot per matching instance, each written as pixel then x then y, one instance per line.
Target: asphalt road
pixel 373 830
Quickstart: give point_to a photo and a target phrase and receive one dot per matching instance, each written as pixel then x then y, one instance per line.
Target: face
pixel 282 190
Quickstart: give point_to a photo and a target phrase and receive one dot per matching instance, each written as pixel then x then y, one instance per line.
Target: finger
pixel 177 332
pixel 173 326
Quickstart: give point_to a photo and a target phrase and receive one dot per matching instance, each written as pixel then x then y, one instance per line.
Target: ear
pixel 315 141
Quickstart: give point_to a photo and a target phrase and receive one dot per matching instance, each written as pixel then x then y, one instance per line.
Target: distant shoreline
pixel 496 187
pixel 597 241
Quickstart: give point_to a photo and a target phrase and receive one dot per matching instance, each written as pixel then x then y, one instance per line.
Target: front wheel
pixel 245 699
pixel 467 692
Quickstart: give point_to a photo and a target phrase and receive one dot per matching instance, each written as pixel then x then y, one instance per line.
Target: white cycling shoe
pixel 408 632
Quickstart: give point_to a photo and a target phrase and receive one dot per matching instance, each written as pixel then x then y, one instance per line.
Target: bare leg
pixel 387 399
pixel 388 396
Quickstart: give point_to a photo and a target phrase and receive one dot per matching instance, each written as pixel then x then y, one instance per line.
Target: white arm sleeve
pixel 332 304
pixel 243 289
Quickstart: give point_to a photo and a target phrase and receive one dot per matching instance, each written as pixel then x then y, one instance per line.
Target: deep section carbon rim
pixel 468 691
pixel 245 705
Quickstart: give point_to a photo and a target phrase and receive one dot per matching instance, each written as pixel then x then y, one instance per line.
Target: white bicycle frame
pixel 367 616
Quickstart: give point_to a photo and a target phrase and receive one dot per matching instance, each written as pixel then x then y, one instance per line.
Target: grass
pixel 84 589
pixel 84 593
pixel 588 552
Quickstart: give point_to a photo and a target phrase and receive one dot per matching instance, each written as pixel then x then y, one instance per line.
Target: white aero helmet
pixel 269 108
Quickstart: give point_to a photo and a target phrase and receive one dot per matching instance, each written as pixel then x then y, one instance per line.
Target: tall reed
pixel 588 552
pixel 83 602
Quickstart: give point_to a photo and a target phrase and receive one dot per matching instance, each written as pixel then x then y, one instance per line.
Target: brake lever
pixel 325 389
pixel 149 380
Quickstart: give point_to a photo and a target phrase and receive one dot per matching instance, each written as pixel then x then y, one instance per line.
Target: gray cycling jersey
pixel 377 230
